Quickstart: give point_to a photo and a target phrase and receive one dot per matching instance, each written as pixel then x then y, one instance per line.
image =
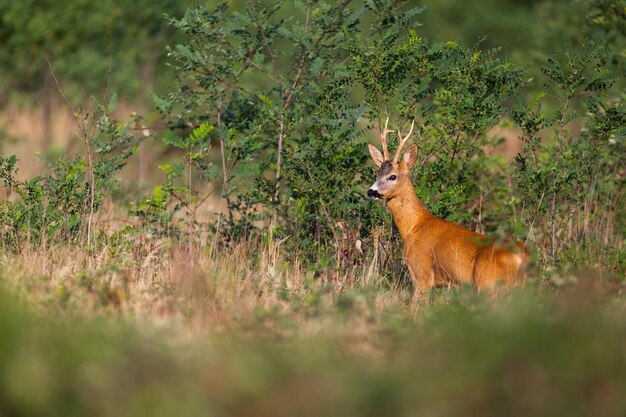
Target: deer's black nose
pixel 373 193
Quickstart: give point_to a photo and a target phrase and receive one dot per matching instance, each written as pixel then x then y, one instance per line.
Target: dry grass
pixel 162 284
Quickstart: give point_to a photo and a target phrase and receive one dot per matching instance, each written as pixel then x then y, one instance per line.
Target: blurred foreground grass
pixel 529 354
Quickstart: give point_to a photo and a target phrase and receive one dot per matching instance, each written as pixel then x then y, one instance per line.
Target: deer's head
pixel 393 174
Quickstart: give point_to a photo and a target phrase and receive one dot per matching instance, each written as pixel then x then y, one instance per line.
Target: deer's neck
pixel 407 210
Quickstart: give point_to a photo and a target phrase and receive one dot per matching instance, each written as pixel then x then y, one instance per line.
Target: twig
pixel 286 103
pixel 263 35
pixel 84 135
pixel 59 86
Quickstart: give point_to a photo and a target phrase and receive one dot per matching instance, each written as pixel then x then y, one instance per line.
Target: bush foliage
pixel 292 101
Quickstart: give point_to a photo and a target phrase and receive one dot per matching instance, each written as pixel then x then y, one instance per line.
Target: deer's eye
pixel 392 178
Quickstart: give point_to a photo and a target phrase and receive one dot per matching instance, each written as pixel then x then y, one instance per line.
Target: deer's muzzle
pixel 371 193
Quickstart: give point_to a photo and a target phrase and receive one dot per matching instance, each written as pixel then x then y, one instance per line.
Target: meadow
pixel 232 336
pixel 185 230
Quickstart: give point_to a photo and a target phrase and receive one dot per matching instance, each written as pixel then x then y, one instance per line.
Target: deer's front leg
pixel 422 275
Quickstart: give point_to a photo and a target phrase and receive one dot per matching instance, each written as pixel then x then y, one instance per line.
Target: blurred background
pixel 120 46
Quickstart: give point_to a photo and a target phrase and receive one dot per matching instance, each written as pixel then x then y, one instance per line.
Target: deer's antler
pixel 402 141
pixel 383 140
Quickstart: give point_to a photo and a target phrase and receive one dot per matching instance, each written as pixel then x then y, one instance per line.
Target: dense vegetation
pixel 253 276
pixel 540 358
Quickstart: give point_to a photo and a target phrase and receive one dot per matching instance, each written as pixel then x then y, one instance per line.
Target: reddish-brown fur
pixel 438 252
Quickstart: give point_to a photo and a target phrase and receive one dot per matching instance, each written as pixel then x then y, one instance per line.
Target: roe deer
pixel 436 251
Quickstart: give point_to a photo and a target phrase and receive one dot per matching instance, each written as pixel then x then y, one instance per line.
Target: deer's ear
pixel 376 155
pixel 410 156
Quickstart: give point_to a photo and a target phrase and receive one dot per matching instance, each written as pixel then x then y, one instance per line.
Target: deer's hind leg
pixel 495 268
pixel 484 276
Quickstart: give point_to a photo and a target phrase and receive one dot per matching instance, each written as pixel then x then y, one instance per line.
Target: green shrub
pixel 568 173
pixel 291 102
pixel 60 205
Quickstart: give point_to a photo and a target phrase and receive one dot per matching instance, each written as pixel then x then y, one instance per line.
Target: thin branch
pixel 286 102
pixel 302 57
pixel 259 26
pixel 269 74
pixel 56 81
pixel 456 145
pixel 84 135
